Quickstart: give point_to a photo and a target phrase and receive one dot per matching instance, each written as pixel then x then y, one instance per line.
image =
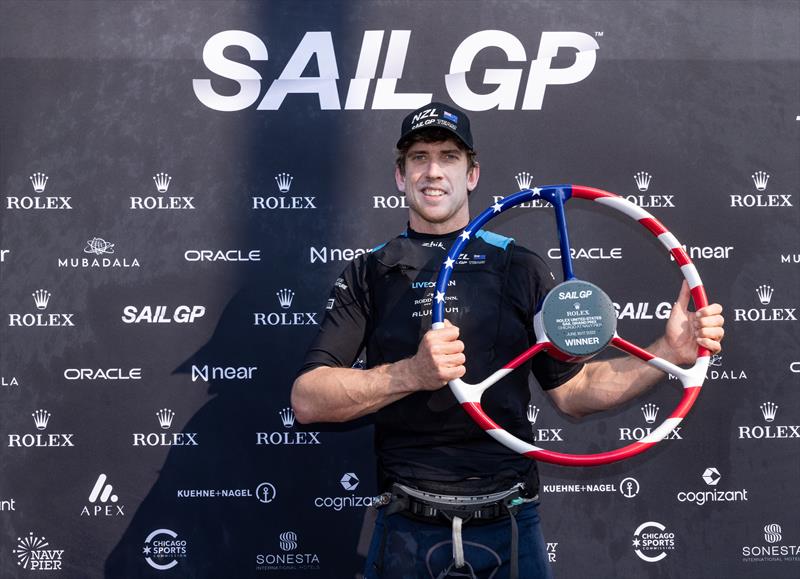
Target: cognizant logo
pixel 317 46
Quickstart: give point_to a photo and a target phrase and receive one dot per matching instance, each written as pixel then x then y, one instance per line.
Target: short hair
pixel 432 135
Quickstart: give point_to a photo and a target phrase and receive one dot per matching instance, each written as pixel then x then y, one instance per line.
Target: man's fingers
pixel 683 296
pixel 708 321
pixel 713 333
pixel 445 348
pixel 712 345
pixel 710 310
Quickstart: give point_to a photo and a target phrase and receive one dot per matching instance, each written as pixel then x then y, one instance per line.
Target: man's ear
pixel 472 177
pixel 400 180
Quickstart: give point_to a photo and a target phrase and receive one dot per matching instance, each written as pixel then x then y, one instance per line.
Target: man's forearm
pixel 328 394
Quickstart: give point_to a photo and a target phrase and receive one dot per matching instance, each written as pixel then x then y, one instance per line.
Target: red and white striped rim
pixel 469 395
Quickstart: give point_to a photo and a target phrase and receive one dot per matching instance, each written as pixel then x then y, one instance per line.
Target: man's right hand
pixel 439 358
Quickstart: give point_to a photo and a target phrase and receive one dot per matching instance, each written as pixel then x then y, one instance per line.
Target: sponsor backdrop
pixel 182 182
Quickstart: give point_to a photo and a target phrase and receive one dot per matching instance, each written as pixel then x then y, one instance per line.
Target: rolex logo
pixel 39 182
pixel 98 246
pixel 764 293
pixel 524 180
pixel 760 179
pixel 284 181
pixel 769 410
pixel 41 297
pixel 40 419
pixel 642 179
pixel 533 413
pixel 650 411
pixel 165 416
pixel 162 181
pixel 287 417
pixel 285 297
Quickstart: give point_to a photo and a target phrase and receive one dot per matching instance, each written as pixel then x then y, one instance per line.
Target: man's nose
pixel 433 169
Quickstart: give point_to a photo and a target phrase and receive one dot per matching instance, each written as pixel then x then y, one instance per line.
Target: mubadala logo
pixel 317 46
pixel 39 182
pixel 717 372
pixel 711 477
pixel 165 417
pixel 333 254
pixel 652 541
pixel 587 253
pixel 284 181
pixel 163 549
pixel 33 555
pixel 103 500
pixel 41 299
pixel 642 311
pixel 170 202
pixel 229 255
pixel 349 482
pixel 542 434
pixel 769 411
pixel 9 382
pixel 649 412
pixel 760 200
pixel 288 559
pixel 771 550
pixel 41 419
pixel 100 249
pixel 285 298
pixel 287 438
pixel 764 293
pixel 91 374
pixel 162 314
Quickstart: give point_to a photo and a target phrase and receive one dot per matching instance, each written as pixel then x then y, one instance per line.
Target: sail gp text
pixel 531 78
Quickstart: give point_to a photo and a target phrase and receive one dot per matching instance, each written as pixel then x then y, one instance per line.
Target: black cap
pixel 439 116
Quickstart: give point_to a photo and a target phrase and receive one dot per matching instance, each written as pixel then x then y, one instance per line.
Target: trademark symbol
pixel 598 34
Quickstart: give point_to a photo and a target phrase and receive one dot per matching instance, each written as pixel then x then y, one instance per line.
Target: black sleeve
pixel 342 333
pixel 549 372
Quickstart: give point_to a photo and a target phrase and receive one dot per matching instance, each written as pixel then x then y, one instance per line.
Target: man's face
pixel 436 183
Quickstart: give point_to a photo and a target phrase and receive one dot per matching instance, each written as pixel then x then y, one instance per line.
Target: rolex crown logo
pixel 764 294
pixel 39 182
pixel 650 411
pixel 285 297
pixel 165 416
pixel 760 179
pixel 41 297
pixel 769 410
pixel 284 181
pixel 524 180
pixel 642 179
pixel 533 413
pixel 162 181
pixel 287 417
pixel 40 419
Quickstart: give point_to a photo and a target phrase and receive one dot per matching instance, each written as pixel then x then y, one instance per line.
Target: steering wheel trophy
pixel 575 322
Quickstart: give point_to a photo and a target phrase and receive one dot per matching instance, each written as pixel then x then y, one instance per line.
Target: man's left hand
pixel 687 330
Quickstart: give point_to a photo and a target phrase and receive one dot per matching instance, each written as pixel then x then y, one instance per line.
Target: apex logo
pixel 764 293
pixel 39 182
pixel 287 438
pixel 41 419
pixel 318 46
pixel 162 314
pixel 149 202
pixel 165 417
pixel 285 298
pixel 284 181
pixel 103 501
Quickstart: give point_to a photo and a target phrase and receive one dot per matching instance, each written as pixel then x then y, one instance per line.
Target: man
pixel 456 499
